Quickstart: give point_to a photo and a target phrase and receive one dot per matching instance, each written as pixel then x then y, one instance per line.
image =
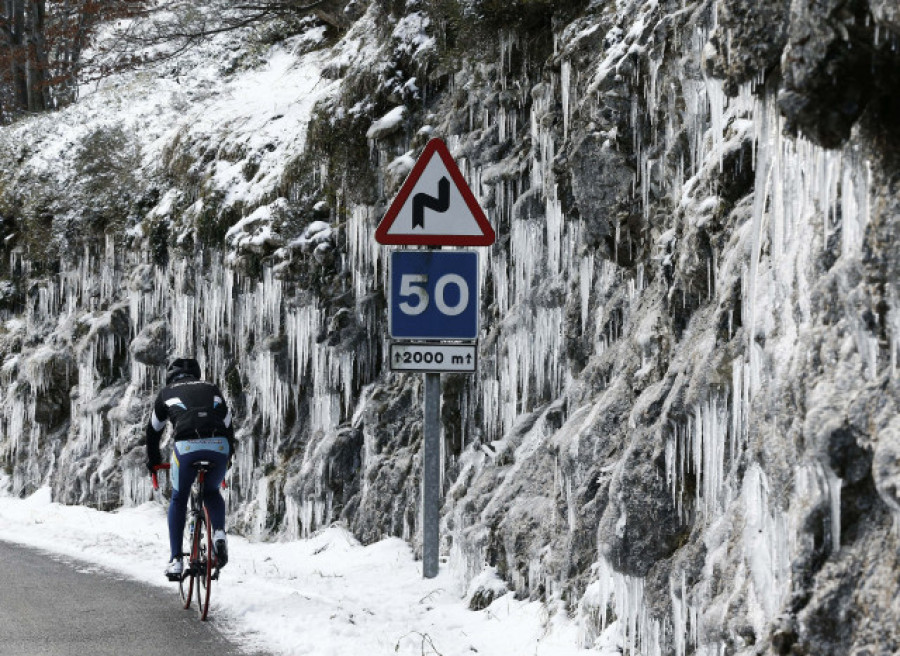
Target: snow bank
pixel 324 595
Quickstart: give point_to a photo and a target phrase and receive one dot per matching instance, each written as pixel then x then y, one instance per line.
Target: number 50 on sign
pixel 434 295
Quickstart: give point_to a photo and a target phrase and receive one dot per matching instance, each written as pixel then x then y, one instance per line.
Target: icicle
pixel 262 507
pixel 834 499
pixel 635 631
pixel 766 544
pixel 893 331
pixel 759 202
pixel 565 81
pixel 700 446
pixel 684 622
pixel 554 233
pixel 585 282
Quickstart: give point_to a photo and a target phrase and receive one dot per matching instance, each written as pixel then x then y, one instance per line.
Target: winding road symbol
pixel 423 201
pixel 435 183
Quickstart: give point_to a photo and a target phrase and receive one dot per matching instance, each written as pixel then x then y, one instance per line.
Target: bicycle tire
pixel 187 579
pixel 206 563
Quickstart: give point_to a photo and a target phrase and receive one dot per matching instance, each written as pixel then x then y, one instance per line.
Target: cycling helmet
pixel 181 367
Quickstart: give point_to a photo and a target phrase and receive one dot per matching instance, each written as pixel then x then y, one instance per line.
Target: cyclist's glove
pixel 153 467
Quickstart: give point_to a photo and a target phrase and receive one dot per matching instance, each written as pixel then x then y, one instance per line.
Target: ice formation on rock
pixel 683 429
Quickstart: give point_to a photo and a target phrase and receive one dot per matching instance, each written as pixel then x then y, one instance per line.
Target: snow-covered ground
pixel 322 596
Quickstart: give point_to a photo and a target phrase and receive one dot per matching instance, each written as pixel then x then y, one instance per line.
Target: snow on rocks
pixel 314 235
pixel 387 124
pixel 399 168
pixel 255 232
pixel 150 345
pixel 411 35
pixel 485 588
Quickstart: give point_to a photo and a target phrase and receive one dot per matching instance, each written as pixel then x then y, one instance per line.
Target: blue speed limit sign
pixel 434 295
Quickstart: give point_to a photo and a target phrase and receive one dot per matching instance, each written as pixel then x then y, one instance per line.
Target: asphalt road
pixel 53 606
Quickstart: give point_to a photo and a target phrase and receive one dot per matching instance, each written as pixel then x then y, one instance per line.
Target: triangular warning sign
pixel 435 206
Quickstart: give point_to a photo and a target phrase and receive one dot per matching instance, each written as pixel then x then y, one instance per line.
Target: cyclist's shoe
pixel 175 570
pixel 220 542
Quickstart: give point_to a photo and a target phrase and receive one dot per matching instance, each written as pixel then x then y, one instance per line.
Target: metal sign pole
pixel 431 476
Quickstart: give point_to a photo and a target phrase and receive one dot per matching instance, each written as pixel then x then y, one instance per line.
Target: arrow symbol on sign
pixel 422 201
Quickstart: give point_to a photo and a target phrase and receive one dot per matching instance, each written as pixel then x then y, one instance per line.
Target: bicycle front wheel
pixel 205 564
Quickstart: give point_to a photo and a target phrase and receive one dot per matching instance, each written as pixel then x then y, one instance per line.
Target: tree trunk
pixel 38 64
pixel 85 19
pixel 16 10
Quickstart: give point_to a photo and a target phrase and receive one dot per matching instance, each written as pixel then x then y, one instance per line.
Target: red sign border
pixel 381 232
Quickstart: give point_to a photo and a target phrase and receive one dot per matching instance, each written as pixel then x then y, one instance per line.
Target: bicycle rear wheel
pixel 205 563
pixel 187 579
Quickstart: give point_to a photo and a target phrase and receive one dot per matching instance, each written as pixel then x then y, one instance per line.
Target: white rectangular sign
pixel 433 357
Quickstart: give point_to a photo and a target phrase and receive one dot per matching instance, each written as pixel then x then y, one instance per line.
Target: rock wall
pixel 684 430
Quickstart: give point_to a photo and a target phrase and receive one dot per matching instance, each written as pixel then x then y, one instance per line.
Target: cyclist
pixel 203 430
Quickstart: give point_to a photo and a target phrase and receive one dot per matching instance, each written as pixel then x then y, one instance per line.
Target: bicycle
pixel 203 566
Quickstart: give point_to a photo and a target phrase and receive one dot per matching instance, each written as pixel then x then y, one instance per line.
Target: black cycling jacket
pixel 197 409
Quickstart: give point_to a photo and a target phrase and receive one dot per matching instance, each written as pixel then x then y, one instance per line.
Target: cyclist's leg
pixel 212 495
pixel 182 476
pixel 216 451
